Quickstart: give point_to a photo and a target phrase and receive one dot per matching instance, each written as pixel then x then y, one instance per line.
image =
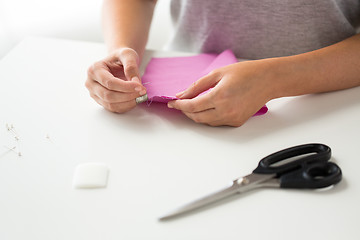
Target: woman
pixel 298 47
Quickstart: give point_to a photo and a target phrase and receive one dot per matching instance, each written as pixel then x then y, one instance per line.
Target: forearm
pixel 126 23
pixel 331 68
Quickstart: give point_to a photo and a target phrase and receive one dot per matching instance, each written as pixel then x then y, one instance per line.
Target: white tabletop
pixel 158 160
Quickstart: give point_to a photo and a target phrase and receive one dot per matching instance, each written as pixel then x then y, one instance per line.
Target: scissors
pixel 305 166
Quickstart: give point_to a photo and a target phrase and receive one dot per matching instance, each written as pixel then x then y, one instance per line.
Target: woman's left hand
pixel 238 91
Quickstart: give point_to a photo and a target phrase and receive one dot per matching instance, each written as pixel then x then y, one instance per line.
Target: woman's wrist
pixel 289 76
pixel 272 76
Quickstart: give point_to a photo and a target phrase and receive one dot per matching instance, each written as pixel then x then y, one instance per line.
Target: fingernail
pixel 135 79
pixel 170 105
pixel 142 92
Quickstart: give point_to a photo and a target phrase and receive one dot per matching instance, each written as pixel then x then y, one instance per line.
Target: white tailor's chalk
pixel 91 175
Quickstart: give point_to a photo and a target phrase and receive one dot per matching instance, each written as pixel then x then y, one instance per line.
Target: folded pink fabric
pixel 165 77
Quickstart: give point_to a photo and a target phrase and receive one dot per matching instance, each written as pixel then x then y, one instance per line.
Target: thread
pixel 13 150
pixel 10 128
pixel 148 103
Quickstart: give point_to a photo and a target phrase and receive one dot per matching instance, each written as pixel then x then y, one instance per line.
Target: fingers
pixel 115 81
pixel 198 104
pixel 100 73
pixel 130 59
pixel 119 72
pixel 111 100
pixel 120 107
pixel 201 85
pixel 200 109
pixel 110 96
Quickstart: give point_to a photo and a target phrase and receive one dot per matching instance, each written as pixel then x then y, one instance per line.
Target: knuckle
pixel 90 70
pixel 191 107
pixel 236 120
pixel 228 115
pixel 128 51
pixel 194 85
pixel 231 113
pixel 87 84
pixel 123 109
pixel 223 95
pixel 215 73
pixel 222 101
pixel 212 98
pixel 237 124
pixel 92 96
pixel 108 96
pixel 125 50
pixel 94 68
pixel 212 72
pixel 112 107
pixel 109 83
pixel 130 68
pixel 97 65
pixel 196 119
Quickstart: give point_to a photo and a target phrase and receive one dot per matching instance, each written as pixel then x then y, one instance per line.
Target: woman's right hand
pixel 114 82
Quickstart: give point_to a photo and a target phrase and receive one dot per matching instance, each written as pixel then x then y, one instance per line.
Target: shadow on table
pixel 334 189
pixel 290 114
pixel 282 115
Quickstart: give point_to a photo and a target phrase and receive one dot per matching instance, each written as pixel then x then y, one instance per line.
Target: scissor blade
pixel 238 186
pixel 214 197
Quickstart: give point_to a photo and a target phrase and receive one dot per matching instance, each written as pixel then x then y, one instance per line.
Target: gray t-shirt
pixel 256 29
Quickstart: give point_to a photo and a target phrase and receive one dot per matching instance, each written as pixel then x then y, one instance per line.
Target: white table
pixel 158 160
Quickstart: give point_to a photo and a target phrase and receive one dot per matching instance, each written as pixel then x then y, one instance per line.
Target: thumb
pixel 130 59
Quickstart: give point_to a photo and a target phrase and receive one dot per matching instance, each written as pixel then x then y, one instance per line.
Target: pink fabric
pixel 165 77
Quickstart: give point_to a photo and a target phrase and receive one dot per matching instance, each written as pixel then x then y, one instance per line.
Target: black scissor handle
pixel 311 168
pixel 317 175
pixel 307 154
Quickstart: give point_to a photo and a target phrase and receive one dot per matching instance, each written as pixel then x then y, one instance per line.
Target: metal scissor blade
pixel 214 197
pixel 238 186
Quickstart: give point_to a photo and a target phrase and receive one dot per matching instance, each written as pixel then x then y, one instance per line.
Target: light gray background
pixel 70 19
